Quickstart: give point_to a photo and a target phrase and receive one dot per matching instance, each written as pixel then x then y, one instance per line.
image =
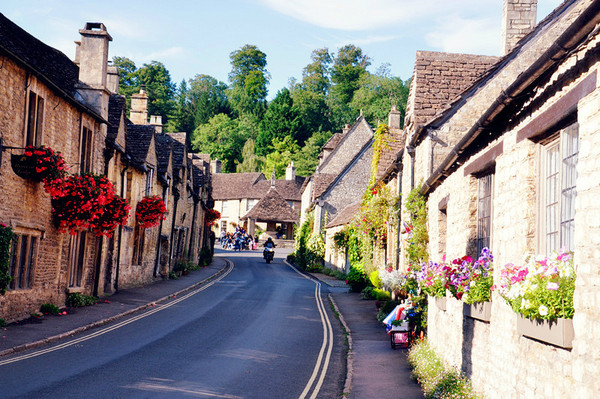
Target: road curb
pixel 350 357
pixel 31 345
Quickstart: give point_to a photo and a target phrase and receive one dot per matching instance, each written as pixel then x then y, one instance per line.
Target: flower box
pixel 440 302
pixel 559 332
pixel 480 311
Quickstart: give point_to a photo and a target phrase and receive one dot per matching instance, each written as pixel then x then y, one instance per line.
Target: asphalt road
pixel 262 331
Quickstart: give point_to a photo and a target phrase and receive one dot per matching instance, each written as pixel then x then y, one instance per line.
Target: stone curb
pixel 350 357
pixel 102 322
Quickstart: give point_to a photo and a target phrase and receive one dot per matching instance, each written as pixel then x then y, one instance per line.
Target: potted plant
pixel 212 215
pixel 432 281
pixel 150 211
pixel 541 293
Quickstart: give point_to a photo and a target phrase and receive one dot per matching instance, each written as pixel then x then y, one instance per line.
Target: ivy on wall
pixel 6 237
pixel 416 206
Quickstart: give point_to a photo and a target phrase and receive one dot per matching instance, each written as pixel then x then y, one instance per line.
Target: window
pixel 484 211
pixel 77 259
pixel 85 153
pixel 558 191
pixel 149 181
pixel 138 245
pixel 35 120
pixel 128 185
pixel 22 261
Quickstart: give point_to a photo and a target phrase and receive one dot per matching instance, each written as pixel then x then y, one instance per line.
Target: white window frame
pixel 558 190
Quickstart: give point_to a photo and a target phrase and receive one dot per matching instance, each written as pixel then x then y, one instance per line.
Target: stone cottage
pixel 511 164
pixel 74 108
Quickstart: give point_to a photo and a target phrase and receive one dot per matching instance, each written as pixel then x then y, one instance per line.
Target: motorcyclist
pixel 269 243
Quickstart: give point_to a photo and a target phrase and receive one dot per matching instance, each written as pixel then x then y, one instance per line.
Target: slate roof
pixel 321 182
pixel 47 63
pixel 139 138
pixel 228 186
pixel 273 208
pixel 116 108
pixel 438 78
pixel 345 216
pixel 178 154
pixel 288 189
pixel 164 147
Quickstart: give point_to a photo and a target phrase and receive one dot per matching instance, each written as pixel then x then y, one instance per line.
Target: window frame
pixel 556 142
pixel 24 251
pixel 34 123
pixel 85 149
pixel 485 202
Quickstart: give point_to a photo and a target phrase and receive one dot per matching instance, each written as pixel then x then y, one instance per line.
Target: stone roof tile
pixel 273 208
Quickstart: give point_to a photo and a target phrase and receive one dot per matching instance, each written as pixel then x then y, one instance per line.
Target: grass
pixel 438 380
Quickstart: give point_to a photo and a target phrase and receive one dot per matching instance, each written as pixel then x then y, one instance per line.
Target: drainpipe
pixel 411 152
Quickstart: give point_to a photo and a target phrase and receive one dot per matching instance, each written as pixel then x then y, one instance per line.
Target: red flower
pixel 150 211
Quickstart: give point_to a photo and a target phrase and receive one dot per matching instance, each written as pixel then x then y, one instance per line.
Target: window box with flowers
pixel 432 280
pixel 150 211
pixel 471 281
pixel 541 293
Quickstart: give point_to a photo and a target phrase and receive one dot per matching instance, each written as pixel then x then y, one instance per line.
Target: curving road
pixel 261 331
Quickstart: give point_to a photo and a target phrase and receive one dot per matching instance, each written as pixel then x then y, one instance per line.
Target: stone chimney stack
pixel 290 172
pixel 394 118
pixel 91 54
pixel 518 19
pixel 156 121
pixel 215 166
pixel 112 83
pixel 346 129
pixel 139 107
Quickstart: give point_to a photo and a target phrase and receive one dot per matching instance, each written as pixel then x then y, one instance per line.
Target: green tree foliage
pixel 251 162
pixel 159 87
pixel 181 119
pixel 207 98
pixel 416 206
pixel 222 138
pixel 280 158
pixel 313 111
pixel 128 79
pixel 316 76
pixel 349 66
pixel 281 120
pixel 306 160
pixel 248 80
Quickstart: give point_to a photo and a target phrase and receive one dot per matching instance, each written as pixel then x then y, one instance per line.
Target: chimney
pixel 518 19
pixel 215 166
pixel 290 172
pixel 394 118
pixel 91 55
pixel 346 129
pixel 112 83
pixel 139 107
pixel 156 121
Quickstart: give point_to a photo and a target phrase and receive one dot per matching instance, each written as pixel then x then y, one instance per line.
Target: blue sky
pixel 196 36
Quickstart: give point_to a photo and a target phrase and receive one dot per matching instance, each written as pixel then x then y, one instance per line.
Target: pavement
pixel 374 369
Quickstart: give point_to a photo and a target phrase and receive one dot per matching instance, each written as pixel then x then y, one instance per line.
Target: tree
pixel 251 162
pixel 208 98
pixel 128 78
pixel 313 111
pixel 181 118
pixel 222 138
pixel 280 120
pixel 280 157
pixel 349 66
pixel 248 79
pixel 159 87
pixel 316 75
pixel 377 94
pixel 306 160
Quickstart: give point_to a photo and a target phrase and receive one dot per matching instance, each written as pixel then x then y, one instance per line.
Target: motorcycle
pixel 269 253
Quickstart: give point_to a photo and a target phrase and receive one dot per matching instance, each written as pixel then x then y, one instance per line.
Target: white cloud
pixel 474 36
pixel 351 14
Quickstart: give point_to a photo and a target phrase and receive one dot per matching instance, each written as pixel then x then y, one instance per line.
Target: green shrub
pixel 205 257
pixel 173 275
pixel 436 379
pixel 382 295
pixel 292 257
pixel 368 293
pixel 48 308
pixel 357 278
pixel 77 300
pixel 374 279
pixel 2 322
pixel 6 237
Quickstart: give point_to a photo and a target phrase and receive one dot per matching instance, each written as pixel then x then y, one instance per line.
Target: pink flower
pixel 552 286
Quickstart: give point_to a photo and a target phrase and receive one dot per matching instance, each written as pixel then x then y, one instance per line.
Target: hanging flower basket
pixel 150 211
pixel 39 164
pixel 88 201
pixel 212 215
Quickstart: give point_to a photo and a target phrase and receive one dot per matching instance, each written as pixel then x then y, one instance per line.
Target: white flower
pixel 473 283
pixel 525 304
pixel 543 310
